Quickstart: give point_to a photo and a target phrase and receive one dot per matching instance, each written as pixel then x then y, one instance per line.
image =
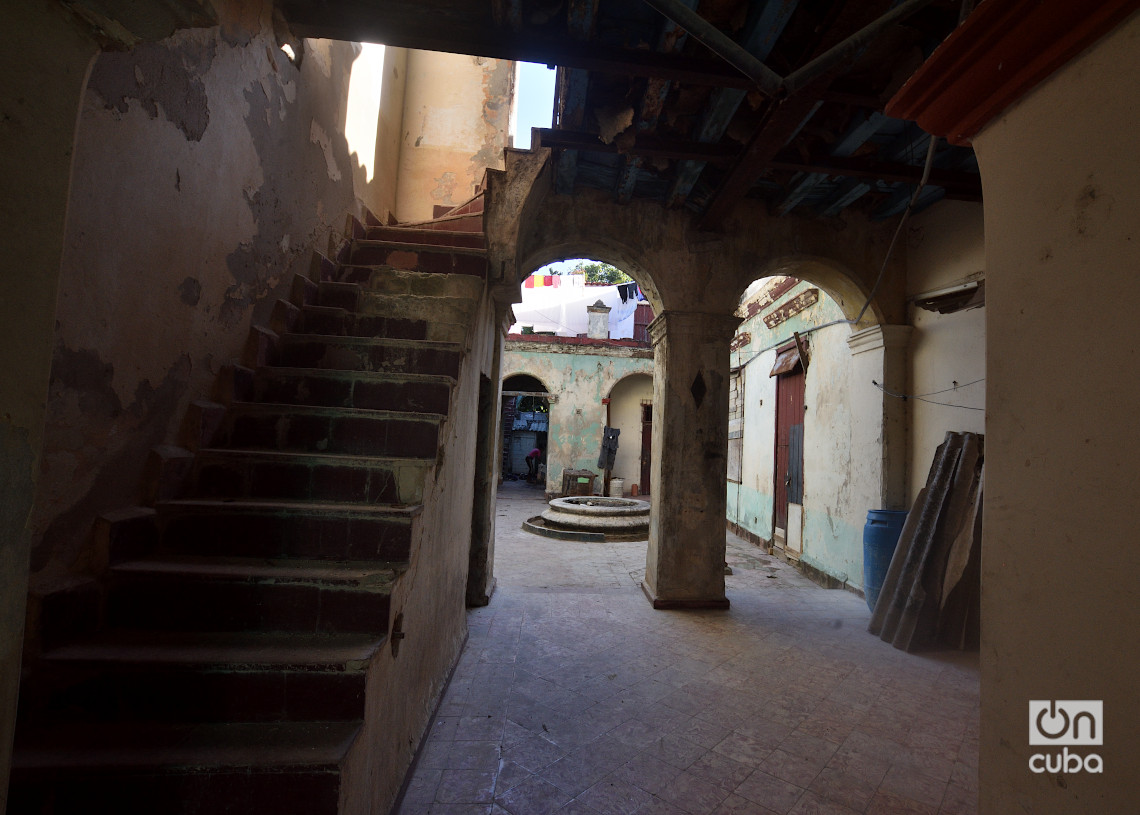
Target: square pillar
pixel 685 561
pixel 879 438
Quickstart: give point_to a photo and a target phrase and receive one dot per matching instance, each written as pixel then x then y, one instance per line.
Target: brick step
pixel 335 431
pixel 390 280
pixel 146 768
pixel 472 206
pixel 333 321
pixel 419 257
pixel 369 354
pixel 307 476
pixel 412 393
pixel 282 529
pixel 247 594
pixel 197 676
pixel 425 235
pixel 462 222
pixel 439 309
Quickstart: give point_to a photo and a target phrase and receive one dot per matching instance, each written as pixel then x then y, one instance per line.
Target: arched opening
pixel 630 411
pixel 526 426
pixel 797 477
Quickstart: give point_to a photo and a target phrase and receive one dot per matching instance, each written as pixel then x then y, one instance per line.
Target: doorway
pixel 789 447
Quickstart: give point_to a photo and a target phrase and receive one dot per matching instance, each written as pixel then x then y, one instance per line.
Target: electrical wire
pixel 947 390
pixel 889 392
pixel 902 222
pixel 929 163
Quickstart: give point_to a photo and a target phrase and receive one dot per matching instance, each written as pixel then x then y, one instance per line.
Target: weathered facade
pixel 591 383
pixel 202 171
pixel 943 390
pixel 1044 107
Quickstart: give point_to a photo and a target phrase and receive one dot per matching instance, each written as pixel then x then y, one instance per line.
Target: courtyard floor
pixel 574 696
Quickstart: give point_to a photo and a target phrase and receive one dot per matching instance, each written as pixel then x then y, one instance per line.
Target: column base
pixel 664 603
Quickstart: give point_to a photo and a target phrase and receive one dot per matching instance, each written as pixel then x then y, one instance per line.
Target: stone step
pixel 341 322
pixel 338 294
pixel 282 529
pixel 411 307
pixel 471 207
pixel 196 676
pixel 335 431
pixel 419 257
pixel 369 354
pixel 413 393
pixel 180 593
pixel 138 768
pixel 425 235
pixel 219 473
pixel 391 280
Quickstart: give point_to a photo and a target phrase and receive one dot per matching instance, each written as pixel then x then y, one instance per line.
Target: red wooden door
pixel 789 456
pixel 646 446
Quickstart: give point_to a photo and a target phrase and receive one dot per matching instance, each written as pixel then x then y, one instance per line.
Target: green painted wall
pixel 579 377
pixel 834 510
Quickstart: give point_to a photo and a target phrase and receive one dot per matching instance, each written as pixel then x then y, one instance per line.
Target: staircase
pixel 223 664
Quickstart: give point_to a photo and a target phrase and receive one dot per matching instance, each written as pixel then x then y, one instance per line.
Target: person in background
pixel 532 460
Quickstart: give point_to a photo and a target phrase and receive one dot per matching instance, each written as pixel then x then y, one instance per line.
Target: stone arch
pixel 521 374
pixel 605 250
pixel 626 399
pixel 846 289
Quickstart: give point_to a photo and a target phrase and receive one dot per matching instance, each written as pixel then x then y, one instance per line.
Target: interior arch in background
pixel 525 421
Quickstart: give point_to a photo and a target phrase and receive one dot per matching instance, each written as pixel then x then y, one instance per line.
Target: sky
pixel 535 105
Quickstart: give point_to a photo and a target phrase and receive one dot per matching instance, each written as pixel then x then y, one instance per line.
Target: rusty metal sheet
pixel 786 362
pixel 792 307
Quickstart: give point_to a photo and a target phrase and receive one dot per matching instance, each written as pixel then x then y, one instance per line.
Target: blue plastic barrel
pixel 880 536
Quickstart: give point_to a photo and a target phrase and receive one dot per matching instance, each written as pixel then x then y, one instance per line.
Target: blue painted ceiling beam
pixel 762 32
pixel 580 17
pixel 897 202
pixel 860 131
pixel 670 39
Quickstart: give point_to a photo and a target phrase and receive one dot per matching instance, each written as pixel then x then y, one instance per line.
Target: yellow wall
pixel 945 246
pixel 1060 609
pixel 455 126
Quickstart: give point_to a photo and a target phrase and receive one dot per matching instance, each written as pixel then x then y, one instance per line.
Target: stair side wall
pixel 208 168
pixel 403 691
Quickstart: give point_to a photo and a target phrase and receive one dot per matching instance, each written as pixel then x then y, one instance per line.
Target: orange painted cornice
pixel 1002 50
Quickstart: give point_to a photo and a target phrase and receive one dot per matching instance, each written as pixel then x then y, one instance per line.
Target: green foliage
pixel 598 272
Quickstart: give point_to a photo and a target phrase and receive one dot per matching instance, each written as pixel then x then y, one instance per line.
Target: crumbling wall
pixel 579 377
pixel 207 169
pixel 456 125
pixel 839 486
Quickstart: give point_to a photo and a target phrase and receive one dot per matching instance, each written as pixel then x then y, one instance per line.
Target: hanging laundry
pixel 609 448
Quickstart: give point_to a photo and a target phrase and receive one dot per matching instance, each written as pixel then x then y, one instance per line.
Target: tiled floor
pixel 574 696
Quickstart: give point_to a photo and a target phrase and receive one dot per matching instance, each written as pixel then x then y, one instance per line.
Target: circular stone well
pixel 591 518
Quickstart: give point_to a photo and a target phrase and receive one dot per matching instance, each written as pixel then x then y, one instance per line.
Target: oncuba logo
pixel 1066 723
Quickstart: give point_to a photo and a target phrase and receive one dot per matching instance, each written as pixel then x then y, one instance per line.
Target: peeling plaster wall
pixel 839 485
pixel 945 246
pixel 207 170
pixel 455 126
pixel 1059 555
pixel 580 377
